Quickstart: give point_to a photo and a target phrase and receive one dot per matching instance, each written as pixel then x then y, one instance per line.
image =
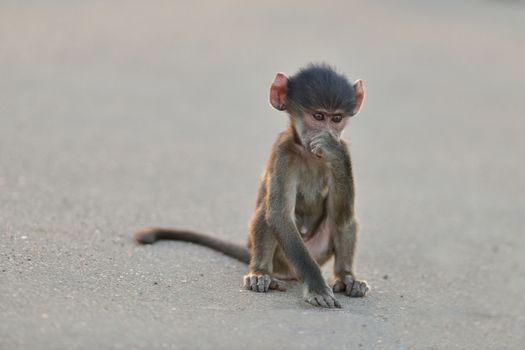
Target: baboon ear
pixel 359 88
pixel 278 92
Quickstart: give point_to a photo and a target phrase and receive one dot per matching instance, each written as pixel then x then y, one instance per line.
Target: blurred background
pixel 116 115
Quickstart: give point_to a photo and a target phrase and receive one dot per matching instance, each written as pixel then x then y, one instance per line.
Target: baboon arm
pixel 342 214
pixel 281 205
pixel 341 198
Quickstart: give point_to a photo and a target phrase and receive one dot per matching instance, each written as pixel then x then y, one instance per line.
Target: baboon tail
pixel 151 235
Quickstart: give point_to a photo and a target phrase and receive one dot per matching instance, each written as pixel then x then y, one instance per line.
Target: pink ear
pixel 359 88
pixel 278 92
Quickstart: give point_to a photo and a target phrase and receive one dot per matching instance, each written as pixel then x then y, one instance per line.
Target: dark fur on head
pixel 319 85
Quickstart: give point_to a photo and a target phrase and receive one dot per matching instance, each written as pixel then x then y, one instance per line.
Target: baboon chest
pixel 310 204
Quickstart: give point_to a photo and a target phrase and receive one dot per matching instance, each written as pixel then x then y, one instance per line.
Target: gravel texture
pixel 119 114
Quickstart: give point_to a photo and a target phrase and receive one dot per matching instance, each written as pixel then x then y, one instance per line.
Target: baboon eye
pixel 318 116
pixel 337 118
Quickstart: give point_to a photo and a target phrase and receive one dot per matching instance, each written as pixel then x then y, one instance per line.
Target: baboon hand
pixel 263 283
pixel 351 286
pixel 326 146
pixel 322 298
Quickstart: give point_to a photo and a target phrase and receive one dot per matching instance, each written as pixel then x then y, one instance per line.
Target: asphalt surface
pixel 119 115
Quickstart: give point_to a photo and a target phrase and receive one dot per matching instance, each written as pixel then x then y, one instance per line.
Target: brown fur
pixel 304 212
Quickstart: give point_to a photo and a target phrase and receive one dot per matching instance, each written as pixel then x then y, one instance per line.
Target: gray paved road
pixel 115 115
